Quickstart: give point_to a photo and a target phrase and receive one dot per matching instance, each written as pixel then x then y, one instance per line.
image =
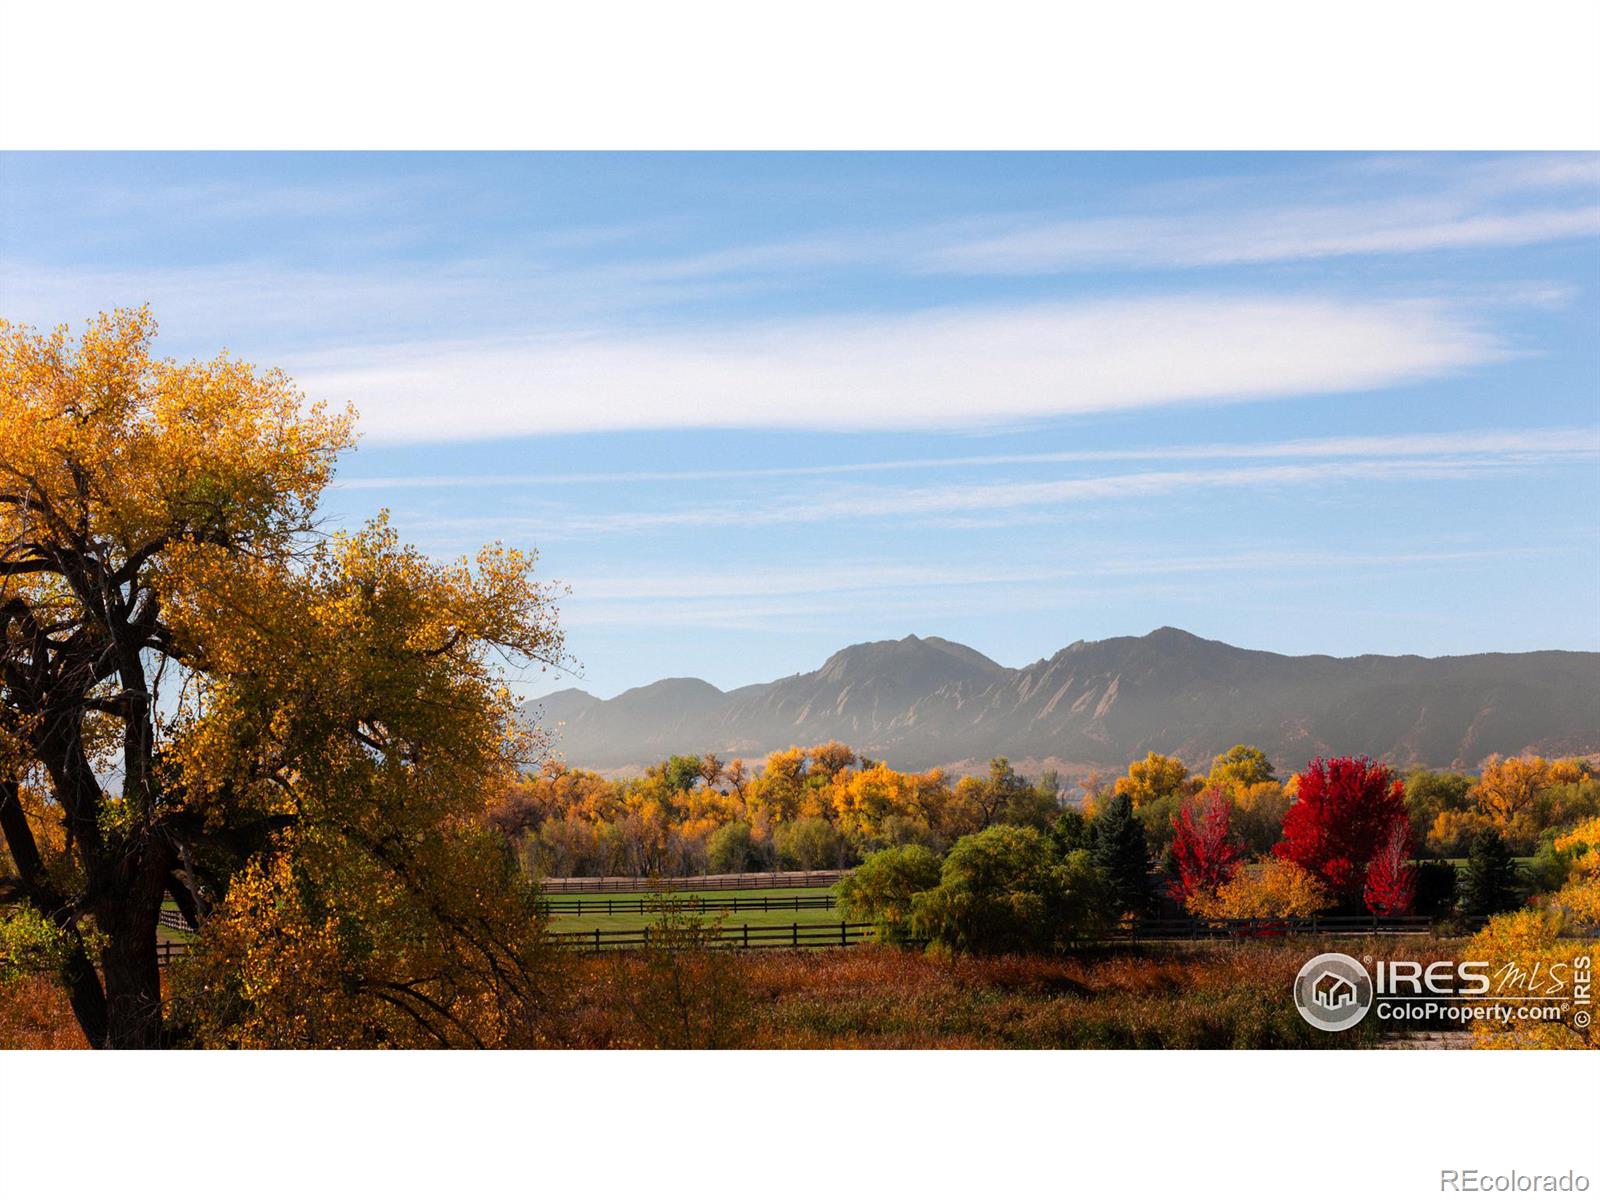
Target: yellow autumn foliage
pixel 1154 777
pixel 1273 887
pixel 1524 939
pixel 321 719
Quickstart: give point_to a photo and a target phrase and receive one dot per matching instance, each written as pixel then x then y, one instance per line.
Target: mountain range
pixel 923 701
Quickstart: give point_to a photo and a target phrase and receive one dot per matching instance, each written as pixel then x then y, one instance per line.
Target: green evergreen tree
pixel 1491 882
pixel 1122 855
pixel 1071 832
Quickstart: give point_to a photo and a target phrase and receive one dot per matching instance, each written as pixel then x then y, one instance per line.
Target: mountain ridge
pixel 920 702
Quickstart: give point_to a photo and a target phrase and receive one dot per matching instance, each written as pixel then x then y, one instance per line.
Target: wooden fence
pixel 691 883
pixel 1188 929
pixel 739 937
pixel 171 918
pixel 843 933
pixel 612 906
pixel 1185 929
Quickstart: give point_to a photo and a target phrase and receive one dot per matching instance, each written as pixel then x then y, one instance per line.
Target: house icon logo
pixel 1333 992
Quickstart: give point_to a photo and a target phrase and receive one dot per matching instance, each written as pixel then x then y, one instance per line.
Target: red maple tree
pixel 1343 815
pixel 1205 854
pixel 1391 881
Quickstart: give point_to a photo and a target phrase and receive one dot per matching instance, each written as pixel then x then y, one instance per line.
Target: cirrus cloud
pixel 947 368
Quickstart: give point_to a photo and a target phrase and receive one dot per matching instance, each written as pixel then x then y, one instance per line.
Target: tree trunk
pixel 128 960
pixel 88 998
pixel 132 985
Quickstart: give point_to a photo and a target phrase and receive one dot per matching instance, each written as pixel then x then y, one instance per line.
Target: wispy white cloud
pixel 759 599
pixel 1545 445
pixel 379 332
pixel 214 305
pixel 1427 207
pixel 1261 237
pixel 944 369
pixel 874 575
pixel 842 613
pixel 997 503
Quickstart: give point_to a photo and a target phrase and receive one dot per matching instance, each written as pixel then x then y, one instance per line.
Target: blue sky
pixel 751 408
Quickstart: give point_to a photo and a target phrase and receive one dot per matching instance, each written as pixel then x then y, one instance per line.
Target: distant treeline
pixel 826 807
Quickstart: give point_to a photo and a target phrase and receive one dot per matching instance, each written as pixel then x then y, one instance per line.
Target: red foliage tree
pixel 1391 881
pixel 1342 816
pixel 1205 854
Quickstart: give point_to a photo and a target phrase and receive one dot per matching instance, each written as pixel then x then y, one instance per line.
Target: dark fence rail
pixel 613 906
pixel 691 883
pixel 748 937
pixel 1197 929
pixel 845 934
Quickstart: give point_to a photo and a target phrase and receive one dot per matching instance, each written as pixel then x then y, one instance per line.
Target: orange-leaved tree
pixel 200 688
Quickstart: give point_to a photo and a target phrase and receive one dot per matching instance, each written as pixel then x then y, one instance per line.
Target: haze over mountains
pixel 924 701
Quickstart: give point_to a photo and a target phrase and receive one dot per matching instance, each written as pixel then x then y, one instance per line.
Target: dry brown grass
pixel 36 1015
pixel 1199 997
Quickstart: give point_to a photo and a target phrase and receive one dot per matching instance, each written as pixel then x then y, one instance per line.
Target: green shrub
pixel 1071 831
pixel 680 991
pixel 900 830
pixel 880 890
pixel 809 845
pixel 732 849
pixel 1550 868
pixel 1004 890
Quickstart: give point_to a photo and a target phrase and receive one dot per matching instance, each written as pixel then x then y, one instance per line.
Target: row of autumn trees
pixel 806 809
pixel 1345 846
pixel 1234 842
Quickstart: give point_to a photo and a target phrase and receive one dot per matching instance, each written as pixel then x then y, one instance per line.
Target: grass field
pixel 1523 860
pixel 586 921
pixel 583 922
pixel 1191 997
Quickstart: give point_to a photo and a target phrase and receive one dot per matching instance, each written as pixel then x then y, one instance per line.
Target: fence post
pixel 842 940
pixel 794 934
pixel 597 939
pixel 747 935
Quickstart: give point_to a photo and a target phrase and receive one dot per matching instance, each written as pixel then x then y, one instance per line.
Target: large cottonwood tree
pixel 291 733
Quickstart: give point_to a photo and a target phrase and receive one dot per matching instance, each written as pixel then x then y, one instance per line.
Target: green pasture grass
pixel 587 921
pixel 731 922
pixel 568 922
pixel 710 894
